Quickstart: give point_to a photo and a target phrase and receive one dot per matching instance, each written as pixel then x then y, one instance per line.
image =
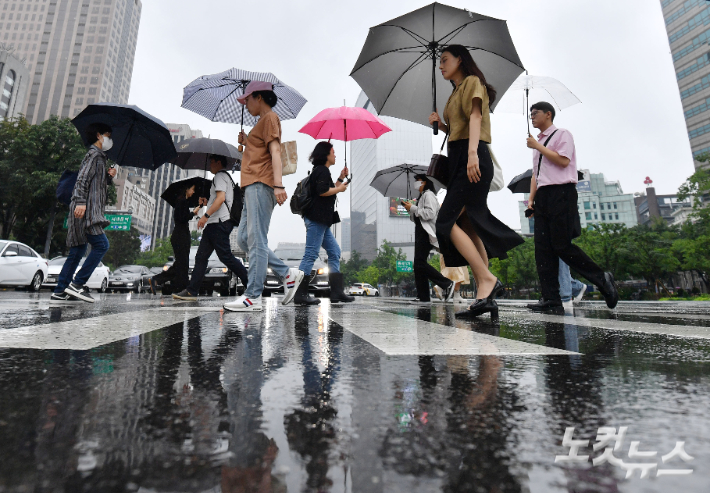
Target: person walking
pixel 553 204
pixel 86 220
pixel 180 240
pixel 467 231
pixel 319 217
pixel 570 288
pixel 263 189
pixel 423 214
pixel 217 228
pixel 459 275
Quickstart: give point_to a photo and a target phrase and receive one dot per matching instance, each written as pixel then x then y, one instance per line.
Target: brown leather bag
pixel 439 165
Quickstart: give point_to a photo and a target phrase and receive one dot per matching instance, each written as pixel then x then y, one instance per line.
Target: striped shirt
pixel 91 190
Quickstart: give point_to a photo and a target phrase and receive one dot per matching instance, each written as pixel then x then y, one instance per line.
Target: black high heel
pixel 478 308
pixel 497 289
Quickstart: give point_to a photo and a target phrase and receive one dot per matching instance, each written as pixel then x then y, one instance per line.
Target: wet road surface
pixel 145 394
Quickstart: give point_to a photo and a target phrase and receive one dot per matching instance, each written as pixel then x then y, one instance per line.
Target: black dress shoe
pixel 544 306
pixel 609 291
pixel 480 307
pixel 497 289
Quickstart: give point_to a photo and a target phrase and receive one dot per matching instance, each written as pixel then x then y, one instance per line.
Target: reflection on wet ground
pixel 378 396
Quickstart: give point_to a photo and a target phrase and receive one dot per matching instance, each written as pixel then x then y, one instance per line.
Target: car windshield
pixel 61 260
pixel 193 254
pixel 290 253
pixel 133 269
pixel 2 244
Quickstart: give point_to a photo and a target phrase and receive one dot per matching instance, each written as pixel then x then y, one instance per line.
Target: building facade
pixel 371 218
pixel 132 195
pixel 650 206
pixel 14 81
pixel 78 52
pixel 158 180
pixel 688 27
pixel 599 202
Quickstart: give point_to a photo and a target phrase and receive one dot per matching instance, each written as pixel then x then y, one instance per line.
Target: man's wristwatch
pixel 206 215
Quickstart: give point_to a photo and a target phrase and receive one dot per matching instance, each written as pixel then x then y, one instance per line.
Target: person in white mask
pixel 86 221
pixel 423 214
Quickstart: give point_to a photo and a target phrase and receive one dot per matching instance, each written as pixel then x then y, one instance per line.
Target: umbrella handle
pixel 435 125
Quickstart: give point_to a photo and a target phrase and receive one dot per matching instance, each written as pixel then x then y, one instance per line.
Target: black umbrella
pixel 521 183
pixel 398 181
pixel 397 67
pixel 202 188
pixel 140 140
pixel 195 153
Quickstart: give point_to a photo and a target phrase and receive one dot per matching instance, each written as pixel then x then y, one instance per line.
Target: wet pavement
pixel 145 394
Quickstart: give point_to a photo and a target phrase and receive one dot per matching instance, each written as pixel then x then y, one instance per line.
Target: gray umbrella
pixel 398 181
pixel 195 153
pixel 397 67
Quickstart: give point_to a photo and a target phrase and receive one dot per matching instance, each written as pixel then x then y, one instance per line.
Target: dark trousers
pixel 178 273
pixel 556 225
pixel 423 272
pixel 215 237
pixel 99 247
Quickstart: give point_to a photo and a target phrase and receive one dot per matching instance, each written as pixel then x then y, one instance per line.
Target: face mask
pixel 419 184
pixel 106 144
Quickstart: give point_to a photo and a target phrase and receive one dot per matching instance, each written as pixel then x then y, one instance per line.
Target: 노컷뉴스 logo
pixel 609 441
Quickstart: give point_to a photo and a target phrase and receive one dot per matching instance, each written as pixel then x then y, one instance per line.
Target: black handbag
pixel 439 165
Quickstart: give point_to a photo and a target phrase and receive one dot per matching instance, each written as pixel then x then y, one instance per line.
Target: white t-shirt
pixel 221 183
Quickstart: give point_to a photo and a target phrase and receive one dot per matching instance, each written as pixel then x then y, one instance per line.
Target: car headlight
pixel 324 270
pixel 224 269
pixel 269 271
pixel 166 267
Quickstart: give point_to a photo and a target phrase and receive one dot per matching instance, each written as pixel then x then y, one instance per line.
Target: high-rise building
pixel 157 181
pixel 14 81
pixel 650 207
pixel 688 27
pixel 373 219
pixel 132 195
pixel 598 202
pixel 79 52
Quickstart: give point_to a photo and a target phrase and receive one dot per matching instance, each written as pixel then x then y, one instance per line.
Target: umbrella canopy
pixel 202 189
pixel 215 97
pixel 195 153
pixel 397 67
pixel 140 139
pixel 346 124
pixel 521 183
pixel 398 181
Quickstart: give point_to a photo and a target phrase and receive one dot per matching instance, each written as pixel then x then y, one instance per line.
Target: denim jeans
pixel 568 287
pixel 259 203
pixel 215 237
pixel 318 235
pixel 99 247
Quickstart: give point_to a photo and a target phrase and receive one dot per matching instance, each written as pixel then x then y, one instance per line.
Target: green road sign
pixel 119 222
pixel 405 266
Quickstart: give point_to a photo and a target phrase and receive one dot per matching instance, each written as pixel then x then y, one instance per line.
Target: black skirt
pixel 496 236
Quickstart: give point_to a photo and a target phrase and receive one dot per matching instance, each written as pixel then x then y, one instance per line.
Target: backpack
pixel 235 212
pixel 65 187
pixel 301 199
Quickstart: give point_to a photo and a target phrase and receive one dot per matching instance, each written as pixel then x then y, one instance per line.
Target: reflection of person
pixel 459 275
pixel 263 188
pixel 181 241
pixel 218 227
pixel 569 287
pixel 86 221
pixel 553 200
pixel 423 215
pixel 467 231
pixel 319 217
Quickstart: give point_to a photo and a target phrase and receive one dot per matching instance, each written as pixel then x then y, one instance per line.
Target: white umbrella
pixel 516 100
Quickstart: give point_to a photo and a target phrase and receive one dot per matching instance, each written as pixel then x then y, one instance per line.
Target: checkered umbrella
pixel 215 97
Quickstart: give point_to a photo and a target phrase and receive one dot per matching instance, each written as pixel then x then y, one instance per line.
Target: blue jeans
pixel 568 287
pixel 99 247
pixel 259 203
pixel 318 235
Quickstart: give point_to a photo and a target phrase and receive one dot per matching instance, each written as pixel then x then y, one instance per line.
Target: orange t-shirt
pixel 256 161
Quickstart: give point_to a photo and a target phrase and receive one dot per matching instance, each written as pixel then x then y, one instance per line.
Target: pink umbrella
pixel 346 124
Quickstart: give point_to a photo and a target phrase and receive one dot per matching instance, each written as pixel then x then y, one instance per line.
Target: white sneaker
pixel 291 283
pixel 579 297
pixel 458 298
pixel 439 292
pixel 244 304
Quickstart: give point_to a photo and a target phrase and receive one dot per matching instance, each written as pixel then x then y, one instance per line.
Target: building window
pixel 614 205
pixel 601 205
pixel 595 216
pixel 588 215
pixel 587 206
pixel 617 216
pixel 594 204
pixel 9 84
pixel 604 217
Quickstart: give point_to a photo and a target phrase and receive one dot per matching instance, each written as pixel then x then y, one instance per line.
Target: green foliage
pixel 124 248
pixel 386 263
pixel 696 186
pixel 157 257
pixel 195 241
pixel 352 268
pixel 518 271
pixel 435 261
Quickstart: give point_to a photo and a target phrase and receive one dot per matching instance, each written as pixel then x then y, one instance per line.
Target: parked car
pixel 21 266
pixel 97 281
pixel 292 257
pixel 129 278
pixel 217 278
pixel 363 289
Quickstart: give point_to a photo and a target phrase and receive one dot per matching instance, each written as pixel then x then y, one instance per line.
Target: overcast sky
pixel 612 54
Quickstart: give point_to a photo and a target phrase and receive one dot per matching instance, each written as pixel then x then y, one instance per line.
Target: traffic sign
pixel 119 222
pixel 405 266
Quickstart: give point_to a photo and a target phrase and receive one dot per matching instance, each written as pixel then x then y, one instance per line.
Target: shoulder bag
pixel 439 165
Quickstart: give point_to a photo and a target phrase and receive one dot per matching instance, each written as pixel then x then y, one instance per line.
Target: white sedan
pixel 363 289
pixel 21 266
pixel 98 279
